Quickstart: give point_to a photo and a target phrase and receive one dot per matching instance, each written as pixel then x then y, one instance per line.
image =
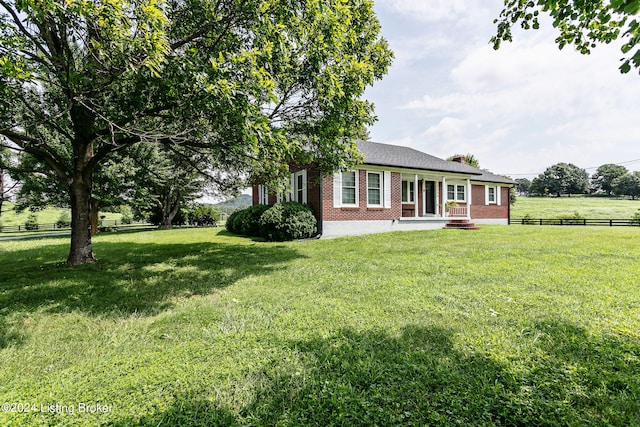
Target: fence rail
pixel 576 221
pixel 61 227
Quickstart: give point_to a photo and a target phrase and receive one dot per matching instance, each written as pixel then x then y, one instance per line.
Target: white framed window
pixel 457 192
pixel 299 186
pixel 492 194
pixel 408 191
pixel 350 188
pixel 374 189
pixel 263 195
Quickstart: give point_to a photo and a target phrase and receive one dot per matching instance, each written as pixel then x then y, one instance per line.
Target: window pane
pixel 349 196
pixel 460 192
pixel 349 179
pixel 405 196
pixel 451 193
pixel 492 194
pixel 374 180
pixel 374 196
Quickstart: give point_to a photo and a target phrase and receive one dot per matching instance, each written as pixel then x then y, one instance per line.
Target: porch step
pixel 461 224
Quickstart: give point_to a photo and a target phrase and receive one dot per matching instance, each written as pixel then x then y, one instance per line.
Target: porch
pixel 429 197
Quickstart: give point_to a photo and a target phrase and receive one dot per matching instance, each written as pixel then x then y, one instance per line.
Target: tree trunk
pixel 81 251
pixel 170 208
pixel 93 207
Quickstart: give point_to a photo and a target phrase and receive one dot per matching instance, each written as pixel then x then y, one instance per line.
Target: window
pixel 491 194
pixel 408 192
pixel 456 192
pixel 349 188
pixel 263 195
pixel 374 189
pixel 299 189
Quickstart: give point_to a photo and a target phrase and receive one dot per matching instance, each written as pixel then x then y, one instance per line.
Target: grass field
pixel 504 326
pixel 586 207
pixel 49 215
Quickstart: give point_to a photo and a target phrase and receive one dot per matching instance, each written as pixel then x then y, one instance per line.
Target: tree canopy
pixel 605 175
pixel 561 178
pixel 583 24
pixel 242 85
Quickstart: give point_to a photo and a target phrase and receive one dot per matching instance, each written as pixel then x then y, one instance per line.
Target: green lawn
pixel 49 215
pixel 586 207
pixel 504 326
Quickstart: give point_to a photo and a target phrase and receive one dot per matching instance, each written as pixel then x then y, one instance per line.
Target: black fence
pixel 104 224
pixel 576 221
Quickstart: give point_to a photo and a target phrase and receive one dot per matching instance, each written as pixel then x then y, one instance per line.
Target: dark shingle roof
pixel 404 157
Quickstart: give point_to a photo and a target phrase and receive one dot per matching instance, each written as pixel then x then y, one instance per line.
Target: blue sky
pixel 518 110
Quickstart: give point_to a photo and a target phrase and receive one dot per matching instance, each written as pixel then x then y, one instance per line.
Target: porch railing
pixel 459 211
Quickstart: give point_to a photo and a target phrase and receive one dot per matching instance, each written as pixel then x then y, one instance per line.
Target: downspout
pixel 321 200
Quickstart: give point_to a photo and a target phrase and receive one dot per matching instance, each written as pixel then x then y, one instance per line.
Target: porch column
pixel 469 197
pixel 444 196
pixel 424 197
pixel 415 195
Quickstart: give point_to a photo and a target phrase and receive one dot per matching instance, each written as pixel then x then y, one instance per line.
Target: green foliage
pixel 561 178
pixel 229 88
pixel 574 218
pixel 469 159
pixel 583 24
pixel 636 218
pixel 247 222
pixel 64 220
pixel 201 328
pixel 32 222
pixel 201 215
pixel 627 185
pixel 288 221
pixel 604 177
pixel 230 223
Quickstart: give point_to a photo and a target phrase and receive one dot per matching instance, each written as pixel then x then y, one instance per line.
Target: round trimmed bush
pixel 246 221
pixel 288 221
pixel 250 220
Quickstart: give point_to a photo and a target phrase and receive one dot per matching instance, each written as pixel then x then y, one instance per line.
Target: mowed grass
pixel 48 215
pixel 586 207
pixel 504 326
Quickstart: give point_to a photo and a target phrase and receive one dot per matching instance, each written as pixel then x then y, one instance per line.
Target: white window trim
pixel 408 185
pixel 295 189
pixel 337 190
pixel 455 192
pixel 263 195
pixel 380 189
pixel 496 195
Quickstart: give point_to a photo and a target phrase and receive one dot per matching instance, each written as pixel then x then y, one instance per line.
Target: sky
pixel 518 110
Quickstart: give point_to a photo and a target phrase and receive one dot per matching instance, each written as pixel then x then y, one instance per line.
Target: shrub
pixel 201 215
pixel 528 219
pixel 288 221
pixel 229 225
pixel 64 220
pixel 127 216
pixel 32 222
pixel 635 219
pixel 250 220
pixel 576 218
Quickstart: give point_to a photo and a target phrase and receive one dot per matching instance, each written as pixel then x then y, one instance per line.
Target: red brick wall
pixel 480 210
pixel 362 212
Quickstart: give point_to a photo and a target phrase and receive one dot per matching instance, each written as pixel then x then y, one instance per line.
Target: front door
pixel 430 194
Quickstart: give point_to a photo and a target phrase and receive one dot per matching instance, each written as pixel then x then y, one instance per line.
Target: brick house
pixel 397 188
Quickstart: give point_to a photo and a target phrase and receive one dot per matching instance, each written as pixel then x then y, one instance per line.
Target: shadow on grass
pixel 130 277
pixel 421 378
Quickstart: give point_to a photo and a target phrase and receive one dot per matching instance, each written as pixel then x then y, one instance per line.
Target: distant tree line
pixel 566 179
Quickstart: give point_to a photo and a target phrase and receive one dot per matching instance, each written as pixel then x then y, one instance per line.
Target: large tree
pixel 249 83
pixel 602 179
pixel 627 185
pixel 561 178
pixel 583 24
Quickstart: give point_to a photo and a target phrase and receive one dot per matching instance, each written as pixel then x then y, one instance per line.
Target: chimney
pixel 460 159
